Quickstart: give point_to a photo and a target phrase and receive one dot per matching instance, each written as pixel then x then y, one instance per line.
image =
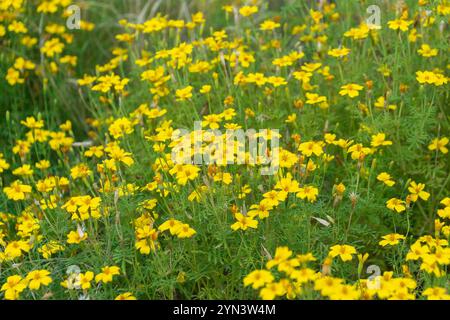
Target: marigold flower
pixel 107 274
pixel 17 191
pixel 38 278
pixel 345 252
pixel 248 10
pixel 391 239
pixel 439 145
pixel 396 205
pixel 125 296
pixel 258 278
pixel 13 286
pixel 244 222
pixel 351 90
pixel 386 179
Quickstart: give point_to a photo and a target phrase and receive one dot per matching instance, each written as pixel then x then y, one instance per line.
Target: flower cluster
pixel 152 186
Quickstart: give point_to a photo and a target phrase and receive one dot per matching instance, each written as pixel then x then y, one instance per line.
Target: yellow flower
pixel 426 51
pixel 386 179
pixel 379 140
pixel 417 251
pixel 188 172
pixel 108 82
pixel 272 290
pixel 74 237
pixel 316 15
pixel 327 285
pixel 258 78
pixel 345 292
pixel 311 147
pixel 276 81
pixel 52 47
pixel 183 230
pixel 28 41
pixel 119 155
pixel 269 25
pixel 289 266
pixel 274 197
pixel 212 120
pixel 417 191
pixel 13 286
pixel 205 89
pixel 384 70
pixel 17 191
pixel 261 210
pixel 439 145
pixel 359 152
pixel 171 225
pixel 227 8
pixel 339 189
pixel 361 32
pixel 85 280
pixel 381 103
pixel 436 293
pixel 308 192
pixel 86 80
pixel 24 170
pixel 43 164
pixel 14 249
pixel 399 24
pixel 125 296
pixel 446 201
pixel 107 274
pixel 339 52
pixel 146 231
pixel 351 90
pixel 3 164
pixel 281 254
pixel 430 77
pixel 198 18
pixel 244 222
pixel 95 151
pixel 314 98
pixel 287 159
pixel 80 171
pixel 303 275
pixel 396 205
pixel 402 295
pixel 200 67
pixel 287 184
pixel 248 10
pixel 147 239
pixel 345 252
pixel 17 27
pixel 121 127
pixel 22 64
pixel 413 35
pixel 37 278
pixel 305 77
pixel 391 239
pixel 47 7
pixel 362 258
pixel 430 266
pixel 258 278
pixel 50 248
pixel 444 213
pixel 184 94
pixel 225 177
pixel 13 77
pixel 145 246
